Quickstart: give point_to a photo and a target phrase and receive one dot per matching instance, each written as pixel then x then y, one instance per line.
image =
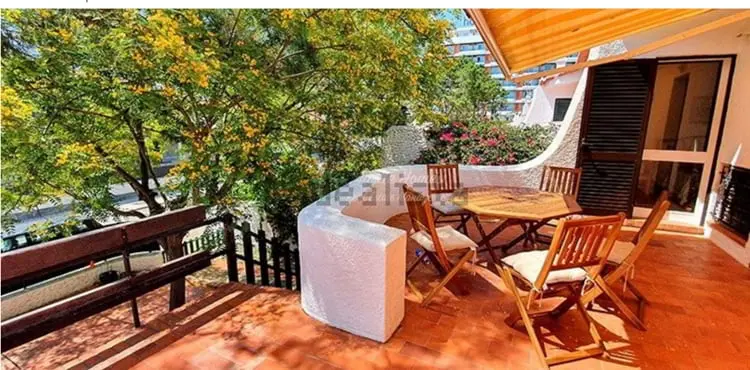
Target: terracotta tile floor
pixel 697 319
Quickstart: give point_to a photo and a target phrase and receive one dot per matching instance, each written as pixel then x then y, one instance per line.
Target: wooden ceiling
pixel 523 38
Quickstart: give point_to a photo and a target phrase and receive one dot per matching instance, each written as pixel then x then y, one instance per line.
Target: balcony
pixel 237 325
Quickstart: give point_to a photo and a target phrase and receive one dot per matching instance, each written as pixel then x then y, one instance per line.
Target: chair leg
pixel 621 306
pixel 448 277
pixel 642 301
pixel 414 264
pixel 564 306
pixel 463 224
pixel 414 290
pixel 587 351
pixel 592 327
pixel 435 263
pixel 590 295
pixel 483 235
pixel 527 321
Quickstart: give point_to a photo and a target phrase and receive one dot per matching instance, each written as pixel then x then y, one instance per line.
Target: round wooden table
pixel 530 208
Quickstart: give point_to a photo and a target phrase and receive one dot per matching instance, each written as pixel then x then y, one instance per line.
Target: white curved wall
pixel 353 266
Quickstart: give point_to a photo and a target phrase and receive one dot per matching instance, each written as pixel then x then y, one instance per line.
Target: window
pixel 549 66
pixel 532 83
pixel 561 107
pixel 495 70
pixel 479 59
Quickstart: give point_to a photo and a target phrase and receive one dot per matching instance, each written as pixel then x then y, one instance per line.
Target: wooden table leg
pixel 526 236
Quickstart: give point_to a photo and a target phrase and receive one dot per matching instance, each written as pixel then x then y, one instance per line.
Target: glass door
pixel 681 133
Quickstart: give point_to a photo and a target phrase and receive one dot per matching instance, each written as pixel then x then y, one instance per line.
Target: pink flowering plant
pixel 493 143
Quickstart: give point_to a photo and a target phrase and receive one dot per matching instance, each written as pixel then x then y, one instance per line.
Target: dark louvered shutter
pixel 618 98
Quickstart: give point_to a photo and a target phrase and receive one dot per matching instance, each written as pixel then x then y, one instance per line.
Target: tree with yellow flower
pixel 275 107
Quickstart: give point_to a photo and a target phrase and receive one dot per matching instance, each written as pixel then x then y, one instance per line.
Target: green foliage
pixel 270 106
pixel 486 144
pixel 471 94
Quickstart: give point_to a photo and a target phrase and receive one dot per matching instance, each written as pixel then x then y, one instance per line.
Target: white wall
pixel 542 106
pixel 69 284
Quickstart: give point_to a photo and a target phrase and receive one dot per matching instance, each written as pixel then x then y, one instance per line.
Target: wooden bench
pixel 23 264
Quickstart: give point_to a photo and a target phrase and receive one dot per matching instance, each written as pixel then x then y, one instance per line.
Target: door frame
pixel 722 89
pixel 707 183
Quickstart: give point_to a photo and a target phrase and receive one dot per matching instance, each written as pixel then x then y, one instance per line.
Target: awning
pixel 523 38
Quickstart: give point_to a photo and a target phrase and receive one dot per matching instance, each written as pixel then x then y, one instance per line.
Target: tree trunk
pixel 173 248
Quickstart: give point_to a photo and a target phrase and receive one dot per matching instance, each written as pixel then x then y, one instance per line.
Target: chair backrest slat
pixel 581 243
pixel 442 178
pixel 560 180
pixel 422 219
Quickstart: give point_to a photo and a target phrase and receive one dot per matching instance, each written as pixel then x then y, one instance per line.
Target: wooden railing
pixel 277 262
pixel 45 259
pixel 273 263
pixel 266 262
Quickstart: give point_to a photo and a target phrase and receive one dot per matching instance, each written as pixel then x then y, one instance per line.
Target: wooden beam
pixel 710 26
pixel 536 52
pixel 489 40
pixel 163 224
pixel 25 263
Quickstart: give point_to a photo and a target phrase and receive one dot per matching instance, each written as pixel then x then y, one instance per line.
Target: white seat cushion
pixel 529 265
pixel 450 239
pixel 442 204
pixel 620 251
pixel 448 208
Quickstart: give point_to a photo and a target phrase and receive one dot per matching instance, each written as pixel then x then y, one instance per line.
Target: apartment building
pixel 467 43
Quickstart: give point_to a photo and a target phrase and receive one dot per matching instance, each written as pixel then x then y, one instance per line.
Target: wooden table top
pixel 516 203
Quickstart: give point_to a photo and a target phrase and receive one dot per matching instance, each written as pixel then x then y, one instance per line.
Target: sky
pixel 457 17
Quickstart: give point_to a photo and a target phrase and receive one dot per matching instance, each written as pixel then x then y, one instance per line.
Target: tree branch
pixel 310 71
pixel 144 192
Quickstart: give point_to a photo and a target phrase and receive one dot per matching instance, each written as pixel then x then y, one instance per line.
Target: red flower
pixel 447 136
pixel 464 136
pixel 491 142
pixel 474 159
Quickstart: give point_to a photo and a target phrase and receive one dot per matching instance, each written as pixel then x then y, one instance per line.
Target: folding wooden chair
pixel 621 262
pixel 444 179
pixel 436 243
pixel 561 180
pixel 576 256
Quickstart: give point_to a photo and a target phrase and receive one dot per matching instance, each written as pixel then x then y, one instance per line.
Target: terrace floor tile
pixel 697 318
